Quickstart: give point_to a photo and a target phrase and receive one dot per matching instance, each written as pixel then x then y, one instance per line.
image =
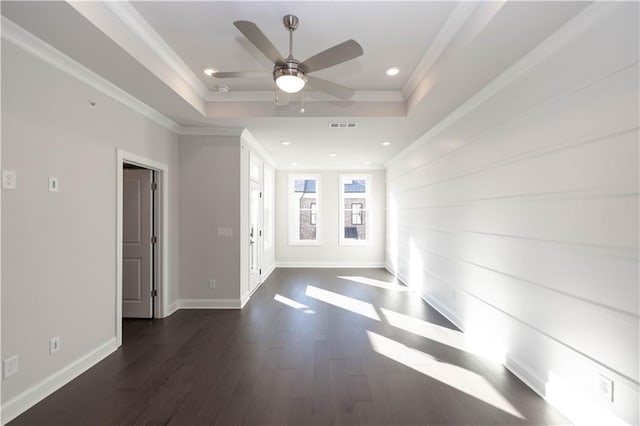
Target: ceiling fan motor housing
pixel 291 67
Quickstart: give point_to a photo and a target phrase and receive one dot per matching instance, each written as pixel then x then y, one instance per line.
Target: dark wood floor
pixel 277 362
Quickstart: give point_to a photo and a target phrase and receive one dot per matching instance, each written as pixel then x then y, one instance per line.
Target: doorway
pixel 158 173
pixel 255 236
pixel 139 239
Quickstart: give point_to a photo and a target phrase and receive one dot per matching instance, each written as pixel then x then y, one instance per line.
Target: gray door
pixel 137 230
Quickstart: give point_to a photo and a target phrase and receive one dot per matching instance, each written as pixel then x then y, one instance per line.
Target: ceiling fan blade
pixel 330 87
pixel 335 55
pixel 259 40
pixel 241 74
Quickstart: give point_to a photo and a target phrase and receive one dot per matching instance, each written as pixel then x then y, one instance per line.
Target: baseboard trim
pixel 244 299
pixel 36 393
pixel 172 308
pixel 521 370
pixel 210 303
pixel 268 272
pixel 330 264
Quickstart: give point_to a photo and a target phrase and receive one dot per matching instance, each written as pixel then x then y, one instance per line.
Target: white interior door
pixel 137 233
pixel 255 235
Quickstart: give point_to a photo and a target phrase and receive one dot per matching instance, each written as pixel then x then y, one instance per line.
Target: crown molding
pixel 209 131
pixel 26 41
pixel 311 96
pixel 564 35
pixel 141 28
pixel 451 27
pixel 253 144
pixel 346 169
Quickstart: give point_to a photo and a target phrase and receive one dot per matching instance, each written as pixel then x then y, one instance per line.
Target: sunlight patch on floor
pixel 452 375
pixel 348 303
pixel 468 342
pixel 393 286
pixel 293 304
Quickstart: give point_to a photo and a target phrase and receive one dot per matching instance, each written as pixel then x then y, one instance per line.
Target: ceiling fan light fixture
pixel 290 83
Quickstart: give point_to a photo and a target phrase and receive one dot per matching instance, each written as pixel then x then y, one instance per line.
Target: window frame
pixel 366 211
pixel 313 219
pixel 294 210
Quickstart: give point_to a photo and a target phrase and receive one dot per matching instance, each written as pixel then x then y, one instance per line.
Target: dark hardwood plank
pixel 274 364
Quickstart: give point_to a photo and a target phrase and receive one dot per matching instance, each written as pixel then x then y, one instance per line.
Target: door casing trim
pixel 161 305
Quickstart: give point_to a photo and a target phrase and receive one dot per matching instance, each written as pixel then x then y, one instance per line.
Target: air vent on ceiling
pixel 342 125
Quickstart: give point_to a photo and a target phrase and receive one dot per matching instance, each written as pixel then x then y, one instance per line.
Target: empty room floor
pixel 312 346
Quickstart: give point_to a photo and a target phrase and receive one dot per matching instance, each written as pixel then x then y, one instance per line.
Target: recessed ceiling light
pixel 392 71
pixel 366 163
pixel 294 164
pixel 209 71
pixel 386 143
pixel 285 142
pixel 332 154
pixel 222 88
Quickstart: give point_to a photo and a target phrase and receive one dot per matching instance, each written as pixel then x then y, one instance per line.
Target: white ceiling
pixel 446 51
pixel 391 35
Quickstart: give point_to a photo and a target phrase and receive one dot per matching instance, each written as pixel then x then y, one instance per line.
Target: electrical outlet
pixel 9 179
pixel 54 345
pixel 605 386
pixel 212 283
pixel 10 366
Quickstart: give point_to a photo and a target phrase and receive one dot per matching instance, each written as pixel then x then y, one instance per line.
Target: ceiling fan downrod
pixel 291 24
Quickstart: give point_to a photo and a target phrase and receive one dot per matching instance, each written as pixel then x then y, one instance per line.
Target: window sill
pixel 354 243
pixel 305 243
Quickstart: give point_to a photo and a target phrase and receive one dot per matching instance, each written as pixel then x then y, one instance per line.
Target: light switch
pixel 9 179
pixel 53 184
pixel 225 232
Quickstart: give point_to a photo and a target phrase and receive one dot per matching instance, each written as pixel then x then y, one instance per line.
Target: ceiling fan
pixel 290 74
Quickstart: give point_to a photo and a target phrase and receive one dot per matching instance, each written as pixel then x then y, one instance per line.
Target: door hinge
pixel 260 271
pixel 154 240
pixel 154 293
pixel 260 233
pixel 154 186
pixel 261 195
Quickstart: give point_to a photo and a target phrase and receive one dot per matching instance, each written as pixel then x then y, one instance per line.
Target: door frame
pixel 260 239
pixel 161 255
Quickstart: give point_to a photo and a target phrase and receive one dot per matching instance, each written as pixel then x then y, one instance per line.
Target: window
pixel 313 213
pixel 304 197
pixel 356 213
pixel 355 192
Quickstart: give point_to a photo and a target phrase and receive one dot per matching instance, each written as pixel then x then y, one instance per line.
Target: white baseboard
pixel 517 367
pixel 36 393
pixel 526 374
pixel 210 304
pixel 330 264
pixel 172 308
pixel 244 299
pixel 268 272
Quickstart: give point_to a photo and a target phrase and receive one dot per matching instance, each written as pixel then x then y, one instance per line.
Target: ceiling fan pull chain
pixel 277 98
pixel 302 99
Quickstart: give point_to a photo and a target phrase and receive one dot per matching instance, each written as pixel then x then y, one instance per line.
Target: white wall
pixel 329 252
pixel 269 221
pixel 209 199
pixel 214 193
pixel 517 216
pixel 59 249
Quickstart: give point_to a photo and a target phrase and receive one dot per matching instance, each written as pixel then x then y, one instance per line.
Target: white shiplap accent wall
pixel 518 218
